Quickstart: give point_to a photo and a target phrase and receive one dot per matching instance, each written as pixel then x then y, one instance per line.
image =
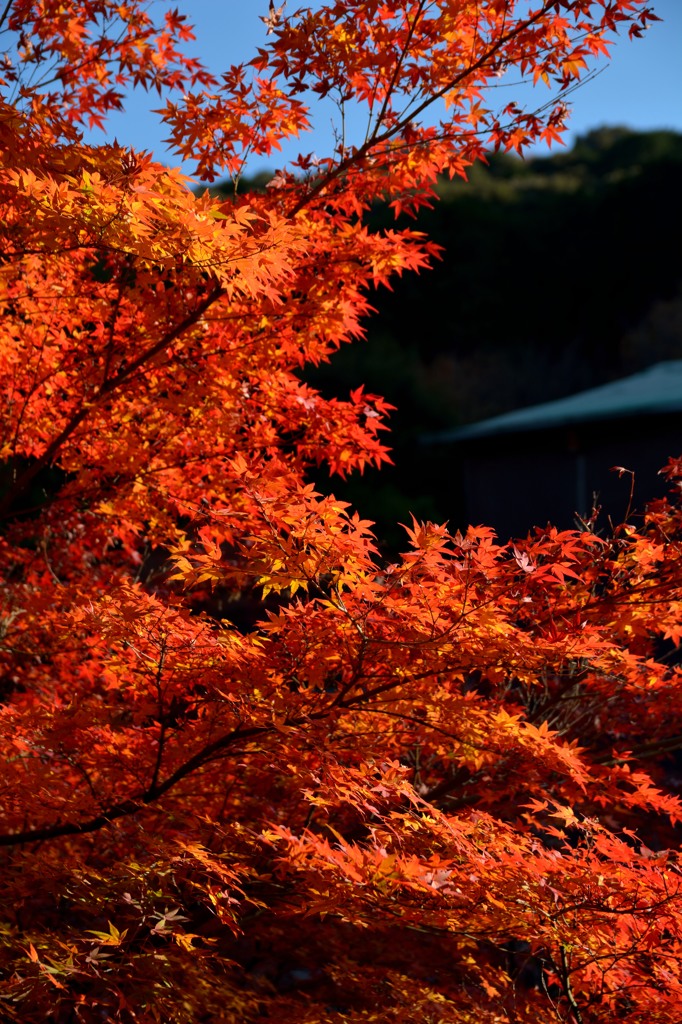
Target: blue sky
pixel 641 87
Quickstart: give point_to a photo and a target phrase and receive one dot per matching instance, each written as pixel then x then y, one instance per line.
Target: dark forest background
pixel 558 273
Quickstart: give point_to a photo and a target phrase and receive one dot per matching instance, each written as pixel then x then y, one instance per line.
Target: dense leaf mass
pixel 251 769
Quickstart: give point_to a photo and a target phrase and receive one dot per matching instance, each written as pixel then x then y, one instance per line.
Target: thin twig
pixel 6 11
pixel 575 1009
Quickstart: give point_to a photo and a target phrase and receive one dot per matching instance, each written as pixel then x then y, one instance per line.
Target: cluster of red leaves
pixel 437 789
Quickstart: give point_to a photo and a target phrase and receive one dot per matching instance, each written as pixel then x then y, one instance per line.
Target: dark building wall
pixel 516 482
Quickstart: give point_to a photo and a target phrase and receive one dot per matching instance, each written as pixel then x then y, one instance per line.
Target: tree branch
pixel 154 791
pixel 3 16
pixel 565 979
pixel 135 804
pixel 377 139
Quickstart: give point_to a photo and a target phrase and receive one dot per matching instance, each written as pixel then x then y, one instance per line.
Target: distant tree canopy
pixel 512 243
pixel 444 341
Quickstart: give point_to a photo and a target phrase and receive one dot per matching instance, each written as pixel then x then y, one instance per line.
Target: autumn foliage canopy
pixel 251 768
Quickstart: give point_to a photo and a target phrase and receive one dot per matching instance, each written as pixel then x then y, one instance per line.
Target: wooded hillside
pixel 519 310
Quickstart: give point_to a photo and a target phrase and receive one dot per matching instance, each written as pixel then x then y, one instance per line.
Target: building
pixel 551 462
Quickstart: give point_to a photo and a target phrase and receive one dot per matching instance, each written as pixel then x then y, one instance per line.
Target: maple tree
pixel 436 789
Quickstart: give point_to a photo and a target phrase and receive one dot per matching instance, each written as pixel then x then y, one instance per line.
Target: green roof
pixel 653 392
